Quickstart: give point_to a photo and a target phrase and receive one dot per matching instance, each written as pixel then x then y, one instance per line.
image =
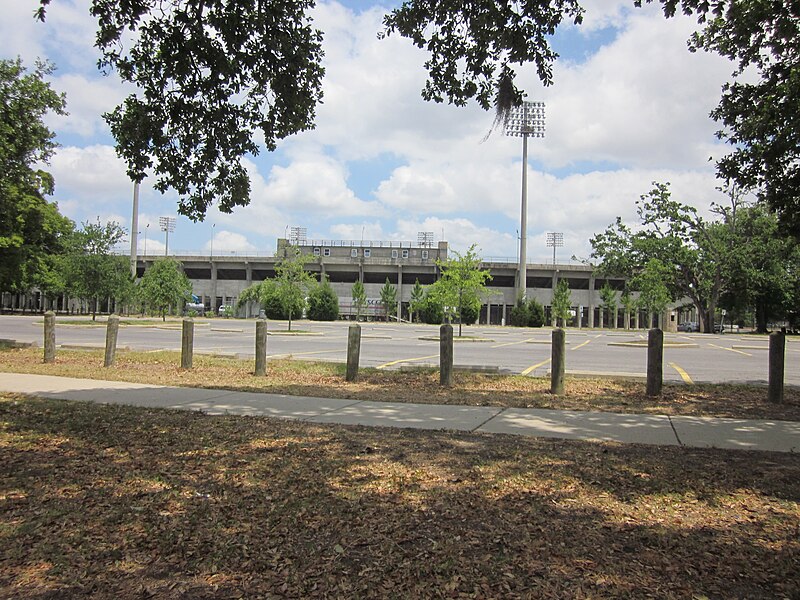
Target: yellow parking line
pixel 730 349
pixel 684 375
pixel 581 345
pixel 513 343
pixel 302 353
pixel 402 360
pixel 536 366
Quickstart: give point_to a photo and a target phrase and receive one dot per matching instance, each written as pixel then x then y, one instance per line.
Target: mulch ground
pixel 101 501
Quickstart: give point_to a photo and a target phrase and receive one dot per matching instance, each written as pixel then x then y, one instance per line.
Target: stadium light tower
pixel 555 240
pixel 167 225
pixel 525 120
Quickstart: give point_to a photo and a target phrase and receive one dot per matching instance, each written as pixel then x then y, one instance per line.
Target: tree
pixel 31 228
pixel 608 297
pixel 389 299
pixel 762 268
pixel 359 296
pixel 527 314
pixel 323 303
pixel 628 304
pixel 417 298
pixel 562 302
pixel 293 281
pixel 653 293
pixel 163 285
pixel 695 250
pixel 759 114
pixel 209 75
pixel 461 282
pixel 535 313
pixel 93 271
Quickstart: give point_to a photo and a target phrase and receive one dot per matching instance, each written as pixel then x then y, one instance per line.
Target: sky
pixel 629 106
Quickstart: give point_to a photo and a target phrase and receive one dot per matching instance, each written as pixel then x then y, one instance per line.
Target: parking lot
pixel 688 357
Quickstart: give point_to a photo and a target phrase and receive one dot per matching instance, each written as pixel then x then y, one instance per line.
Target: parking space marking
pixel 402 360
pixel 581 345
pixel 684 375
pixel 513 343
pixel 536 366
pixel 730 349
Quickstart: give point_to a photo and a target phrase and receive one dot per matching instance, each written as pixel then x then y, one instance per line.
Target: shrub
pixel 431 311
pixel 520 315
pixel 323 304
pixel 535 313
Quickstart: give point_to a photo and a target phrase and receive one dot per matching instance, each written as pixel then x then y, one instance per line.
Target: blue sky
pixel 629 106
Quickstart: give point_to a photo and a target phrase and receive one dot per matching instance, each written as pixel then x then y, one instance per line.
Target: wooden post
pixel 187 343
pixel 655 362
pixel 777 354
pixel 353 351
pixel 112 329
pixel 261 347
pixel 558 354
pixel 49 337
pixel 446 355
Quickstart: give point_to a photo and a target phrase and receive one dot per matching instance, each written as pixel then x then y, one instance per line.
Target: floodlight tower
pixel 167 225
pixel 525 120
pixel 555 240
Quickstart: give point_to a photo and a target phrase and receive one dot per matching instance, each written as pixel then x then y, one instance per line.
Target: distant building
pixel 219 280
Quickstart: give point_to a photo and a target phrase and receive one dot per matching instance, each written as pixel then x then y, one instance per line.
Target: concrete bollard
pixel 777 357
pixel 112 330
pixel 187 343
pixel 49 337
pixel 446 355
pixel 655 362
pixel 558 359
pixel 261 347
pixel 353 351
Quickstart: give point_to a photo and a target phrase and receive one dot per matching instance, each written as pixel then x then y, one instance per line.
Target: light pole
pixel 146 229
pixel 167 225
pixel 524 120
pixel 213 225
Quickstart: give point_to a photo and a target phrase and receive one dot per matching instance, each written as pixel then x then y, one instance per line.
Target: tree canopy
pixel 210 73
pixel 31 228
pixel 739 260
pixel 164 284
pixel 461 284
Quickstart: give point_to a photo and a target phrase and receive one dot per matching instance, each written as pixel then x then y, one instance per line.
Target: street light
pixel 146 229
pixel 525 120
pixel 167 225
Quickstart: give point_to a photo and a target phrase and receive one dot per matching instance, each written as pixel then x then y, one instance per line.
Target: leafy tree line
pixel 738 260
pixel 206 85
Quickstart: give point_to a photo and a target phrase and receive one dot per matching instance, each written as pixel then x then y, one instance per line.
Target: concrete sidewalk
pixel 700 432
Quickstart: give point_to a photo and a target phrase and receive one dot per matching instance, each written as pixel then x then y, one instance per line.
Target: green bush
pixel 431 311
pixel 323 304
pixel 527 314
pixel 535 313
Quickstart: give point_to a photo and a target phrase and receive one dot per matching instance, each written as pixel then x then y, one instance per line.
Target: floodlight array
pixel 167 223
pixel 555 239
pixel 528 119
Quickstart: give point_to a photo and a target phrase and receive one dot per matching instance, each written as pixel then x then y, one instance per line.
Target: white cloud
pixel 228 241
pixel 94 173
pixel 358 231
pixel 87 100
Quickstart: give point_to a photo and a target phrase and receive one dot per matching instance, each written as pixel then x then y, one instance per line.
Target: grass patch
pixel 324 379
pixel 102 502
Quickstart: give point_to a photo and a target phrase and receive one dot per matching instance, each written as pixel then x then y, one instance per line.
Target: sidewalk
pixel 699 432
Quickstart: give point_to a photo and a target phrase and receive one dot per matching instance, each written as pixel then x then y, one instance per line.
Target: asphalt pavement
pixel 663 430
